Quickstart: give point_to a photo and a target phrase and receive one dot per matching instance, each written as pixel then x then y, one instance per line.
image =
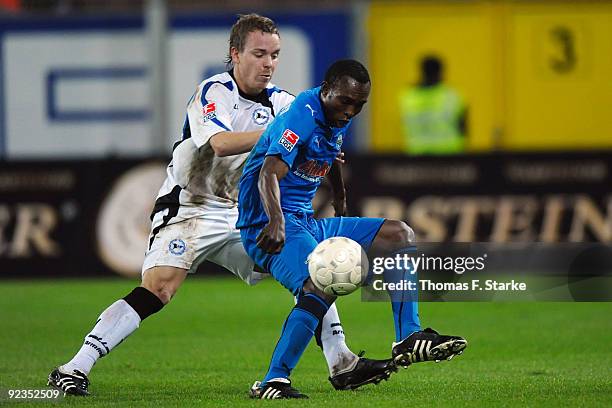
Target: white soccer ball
pixel 338 266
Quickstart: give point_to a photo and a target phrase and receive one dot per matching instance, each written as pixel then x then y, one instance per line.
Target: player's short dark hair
pixel 347 67
pixel 247 23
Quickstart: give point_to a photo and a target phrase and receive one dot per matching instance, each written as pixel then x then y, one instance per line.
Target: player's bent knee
pixel 408 236
pixel 399 233
pixel 163 281
pixel 309 287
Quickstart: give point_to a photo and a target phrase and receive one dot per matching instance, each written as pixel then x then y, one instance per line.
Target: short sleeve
pixel 280 99
pixel 209 111
pixel 290 130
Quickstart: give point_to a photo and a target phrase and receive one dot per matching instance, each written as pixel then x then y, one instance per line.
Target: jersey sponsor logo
pixel 313 169
pixel 177 247
pixel 261 116
pixel 289 139
pixel 209 112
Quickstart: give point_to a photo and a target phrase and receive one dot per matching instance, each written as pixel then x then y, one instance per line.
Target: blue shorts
pixel 302 234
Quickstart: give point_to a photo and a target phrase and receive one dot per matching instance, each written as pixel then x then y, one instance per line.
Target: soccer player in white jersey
pixel 196 209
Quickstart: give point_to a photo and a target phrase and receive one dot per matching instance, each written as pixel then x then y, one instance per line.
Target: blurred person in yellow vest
pixel 433 114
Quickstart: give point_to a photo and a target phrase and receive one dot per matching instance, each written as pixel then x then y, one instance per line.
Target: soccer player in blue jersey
pixel 278 230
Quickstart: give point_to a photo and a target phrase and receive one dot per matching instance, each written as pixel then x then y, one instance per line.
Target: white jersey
pixel 196 176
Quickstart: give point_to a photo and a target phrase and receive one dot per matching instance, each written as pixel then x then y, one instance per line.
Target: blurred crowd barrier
pixel 80 218
pixel 75 76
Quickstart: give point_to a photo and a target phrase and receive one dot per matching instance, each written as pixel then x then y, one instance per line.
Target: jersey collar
pixel 263 98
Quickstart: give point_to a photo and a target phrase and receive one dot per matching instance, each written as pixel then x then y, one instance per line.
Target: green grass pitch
pixel 215 338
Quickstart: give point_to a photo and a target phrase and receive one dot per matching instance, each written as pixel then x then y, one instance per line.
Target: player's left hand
pixel 272 237
pixel 340 158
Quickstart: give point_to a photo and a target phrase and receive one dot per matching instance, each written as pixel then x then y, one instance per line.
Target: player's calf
pixel 297 332
pixel 113 326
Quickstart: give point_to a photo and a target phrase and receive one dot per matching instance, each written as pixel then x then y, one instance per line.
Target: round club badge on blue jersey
pixel 261 116
pixel 177 247
pixel 339 141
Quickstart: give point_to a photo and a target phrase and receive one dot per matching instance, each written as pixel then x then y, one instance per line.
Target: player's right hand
pixel 272 238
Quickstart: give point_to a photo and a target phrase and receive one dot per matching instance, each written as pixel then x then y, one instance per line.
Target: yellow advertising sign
pixel 534 75
pixel 559 76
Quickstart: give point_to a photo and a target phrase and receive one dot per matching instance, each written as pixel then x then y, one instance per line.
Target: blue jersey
pixel 301 138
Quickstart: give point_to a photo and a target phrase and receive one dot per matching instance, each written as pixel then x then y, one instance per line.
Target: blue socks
pixel 404 303
pixel 406 319
pixel 297 333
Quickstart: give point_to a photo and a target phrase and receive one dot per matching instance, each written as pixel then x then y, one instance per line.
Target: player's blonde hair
pixel 246 24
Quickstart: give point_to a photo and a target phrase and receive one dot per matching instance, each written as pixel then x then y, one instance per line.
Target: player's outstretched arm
pixel 338 191
pixel 232 143
pixel 272 237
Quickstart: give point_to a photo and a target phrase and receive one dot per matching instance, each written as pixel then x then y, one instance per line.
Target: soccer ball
pixel 338 266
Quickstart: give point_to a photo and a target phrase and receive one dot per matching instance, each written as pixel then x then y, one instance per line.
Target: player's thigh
pixel 172 244
pixel 288 267
pixel 163 281
pixel 183 241
pixel 232 256
pixel 362 230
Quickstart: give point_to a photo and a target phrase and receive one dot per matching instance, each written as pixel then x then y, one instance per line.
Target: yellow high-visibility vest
pixel 430 120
